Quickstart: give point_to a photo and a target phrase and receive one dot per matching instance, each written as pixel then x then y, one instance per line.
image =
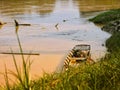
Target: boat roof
pixel 82 47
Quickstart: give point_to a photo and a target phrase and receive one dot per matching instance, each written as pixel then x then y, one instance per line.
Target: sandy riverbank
pixel 45 62
pixel 42 63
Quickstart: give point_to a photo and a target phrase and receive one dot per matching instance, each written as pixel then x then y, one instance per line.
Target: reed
pixel 6 79
pixel 22 74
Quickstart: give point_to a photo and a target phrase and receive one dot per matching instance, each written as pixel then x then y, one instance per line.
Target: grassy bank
pixel 106 17
pixel 103 75
pixel 113 43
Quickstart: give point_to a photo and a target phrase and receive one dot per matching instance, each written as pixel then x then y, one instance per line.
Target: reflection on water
pixel 15 8
pixel 45 7
pixel 96 5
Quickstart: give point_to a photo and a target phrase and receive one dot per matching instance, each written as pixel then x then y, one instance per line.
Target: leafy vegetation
pixel 113 43
pixel 106 17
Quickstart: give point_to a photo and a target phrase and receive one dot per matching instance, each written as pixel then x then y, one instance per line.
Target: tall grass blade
pixel 18 75
pixel 25 67
pixel 6 79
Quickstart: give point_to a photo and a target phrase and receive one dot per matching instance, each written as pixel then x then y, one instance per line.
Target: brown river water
pixel 43 37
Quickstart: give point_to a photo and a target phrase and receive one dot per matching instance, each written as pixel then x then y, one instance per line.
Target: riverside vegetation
pixel 103 75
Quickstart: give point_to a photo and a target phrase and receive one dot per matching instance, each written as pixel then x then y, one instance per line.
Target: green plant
pixel 106 17
pixel 22 74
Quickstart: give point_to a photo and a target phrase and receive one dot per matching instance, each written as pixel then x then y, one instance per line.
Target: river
pixel 53 43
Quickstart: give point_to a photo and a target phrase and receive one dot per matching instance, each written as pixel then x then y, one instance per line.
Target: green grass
pixel 113 43
pixel 100 76
pixel 106 17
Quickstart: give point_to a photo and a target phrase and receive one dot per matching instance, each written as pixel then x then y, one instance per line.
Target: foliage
pixel 113 43
pixel 106 17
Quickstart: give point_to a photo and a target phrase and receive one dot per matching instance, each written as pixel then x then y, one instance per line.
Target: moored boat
pixel 79 54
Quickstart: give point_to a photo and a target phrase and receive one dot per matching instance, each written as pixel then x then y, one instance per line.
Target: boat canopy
pixel 82 47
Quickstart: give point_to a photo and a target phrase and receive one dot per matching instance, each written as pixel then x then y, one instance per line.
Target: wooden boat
pixel 79 53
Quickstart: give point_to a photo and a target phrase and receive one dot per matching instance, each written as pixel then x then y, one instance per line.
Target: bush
pixel 106 17
pixel 113 43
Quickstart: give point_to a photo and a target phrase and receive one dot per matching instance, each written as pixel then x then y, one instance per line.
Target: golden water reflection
pixel 45 7
pixel 18 7
pixel 96 5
